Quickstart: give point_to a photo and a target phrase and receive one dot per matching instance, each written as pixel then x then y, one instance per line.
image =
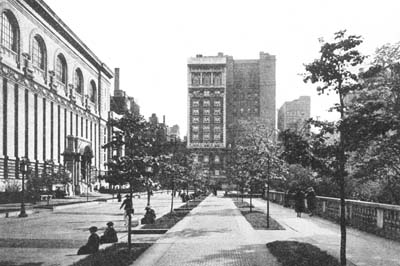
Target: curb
pixel 16 213
pixel 67 206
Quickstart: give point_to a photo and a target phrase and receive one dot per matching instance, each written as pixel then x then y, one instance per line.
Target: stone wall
pixel 380 219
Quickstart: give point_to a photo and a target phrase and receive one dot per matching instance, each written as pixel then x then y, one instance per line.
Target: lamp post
pixel 24 168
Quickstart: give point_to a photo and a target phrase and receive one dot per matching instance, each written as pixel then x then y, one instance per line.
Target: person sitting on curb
pixel 110 235
pixel 92 246
pixel 149 216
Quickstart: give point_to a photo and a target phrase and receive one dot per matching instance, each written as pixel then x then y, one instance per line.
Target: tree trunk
pixel 148 196
pixel 130 221
pixel 172 198
pixel 342 173
pixel 251 197
pixel 268 204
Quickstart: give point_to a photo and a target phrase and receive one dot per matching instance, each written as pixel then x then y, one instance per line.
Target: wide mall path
pixel 363 249
pixel 214 233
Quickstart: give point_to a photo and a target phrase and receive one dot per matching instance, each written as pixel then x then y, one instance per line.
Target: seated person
pixel 110 235
pixel 149 216
pixel 92 246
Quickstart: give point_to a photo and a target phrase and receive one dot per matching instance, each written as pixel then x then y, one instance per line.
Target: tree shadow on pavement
pixel 242 255
pixel 222 212
pixel 40 243
pixel 9 263
pixel 195 233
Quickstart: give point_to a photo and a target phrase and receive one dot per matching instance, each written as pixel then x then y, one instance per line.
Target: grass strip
pixel 257 218
pixel 170 219
pixel 116 255
pixel 293 253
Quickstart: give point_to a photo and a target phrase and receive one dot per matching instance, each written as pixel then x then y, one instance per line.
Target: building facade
pixel 222 91
pixel 293 114
pixel 54 97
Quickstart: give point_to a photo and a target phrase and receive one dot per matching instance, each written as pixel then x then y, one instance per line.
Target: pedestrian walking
pixel 311 200
pixel 92 246
pixel 109 235
pixel 299 202
pixel 128 207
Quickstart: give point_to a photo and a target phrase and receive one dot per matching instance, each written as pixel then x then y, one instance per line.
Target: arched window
pixel 93 92
pixel 9 31
pixel 78 81
pixel 61 69
pixel 38 53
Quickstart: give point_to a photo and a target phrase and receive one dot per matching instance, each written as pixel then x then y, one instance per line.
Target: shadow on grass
pixel 115 255
pixel 257 218
pixel 293 253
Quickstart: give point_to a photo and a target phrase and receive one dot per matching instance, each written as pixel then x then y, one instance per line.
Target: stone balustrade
pixel 377 218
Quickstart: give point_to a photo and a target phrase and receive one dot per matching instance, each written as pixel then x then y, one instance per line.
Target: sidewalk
pixel 362 248
pixel 53 238
pixel 214 233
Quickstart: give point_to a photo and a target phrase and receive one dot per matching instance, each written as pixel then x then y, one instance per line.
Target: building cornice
pixel 50 17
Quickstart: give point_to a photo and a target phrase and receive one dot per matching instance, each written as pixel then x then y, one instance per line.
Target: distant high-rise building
pixel 173 132
pixel 222 91
pixel 292 114
pixel 153 119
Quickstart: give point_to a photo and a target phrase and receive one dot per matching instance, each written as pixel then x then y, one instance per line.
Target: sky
pixel 150 41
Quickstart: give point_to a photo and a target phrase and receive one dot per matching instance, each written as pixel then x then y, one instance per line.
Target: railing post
pixel 323 206
pixel 5 166
pixel 379 218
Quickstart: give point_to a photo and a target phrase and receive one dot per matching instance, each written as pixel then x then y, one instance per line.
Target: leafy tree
pixel 373 123
pixel 255 156
pixel 333 72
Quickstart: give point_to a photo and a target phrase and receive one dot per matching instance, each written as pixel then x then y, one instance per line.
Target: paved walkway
pixel 362 248
pixel 53 238
pixel 214 233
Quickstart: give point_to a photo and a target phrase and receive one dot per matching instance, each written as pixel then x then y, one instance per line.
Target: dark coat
pixel 109 236
pixel 311 202
pixel 92 246
pixel 299 201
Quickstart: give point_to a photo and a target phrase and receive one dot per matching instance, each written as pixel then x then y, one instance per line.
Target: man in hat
pixel 127 205
pixel 110 235
pixel 92 246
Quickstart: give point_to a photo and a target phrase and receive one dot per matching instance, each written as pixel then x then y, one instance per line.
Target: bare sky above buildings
pixel 151 40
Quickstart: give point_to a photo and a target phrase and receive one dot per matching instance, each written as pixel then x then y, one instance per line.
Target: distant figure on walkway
pixel 92 246
pixel 311 200
pixel 119 197
pixel 127 205
pixel 110 235
pixel 149 216
pixel 299 202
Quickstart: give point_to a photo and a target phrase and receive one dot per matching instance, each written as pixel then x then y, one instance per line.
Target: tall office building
pixel 222 91
pixel 293 114
pixel 54 98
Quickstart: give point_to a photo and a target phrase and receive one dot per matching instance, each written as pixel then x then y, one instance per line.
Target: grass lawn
pixel 170 219
pixel 116 255
pixel 257 218
pixel 293 253
pixel 166 221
